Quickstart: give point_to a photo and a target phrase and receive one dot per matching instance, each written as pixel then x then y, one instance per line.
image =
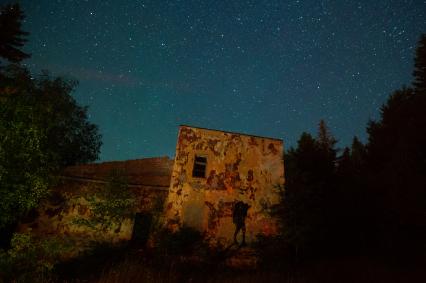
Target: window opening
pixel 200 164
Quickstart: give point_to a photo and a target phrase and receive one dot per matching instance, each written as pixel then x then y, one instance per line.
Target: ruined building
pixel 147 179
pixel 212 171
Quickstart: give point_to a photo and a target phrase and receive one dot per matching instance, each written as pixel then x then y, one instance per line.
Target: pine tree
pixel 327 151
pixel 308 202
pixel 12 37
pixel 420 66
pixel 396 161
pixel 325 139
pixel 357 153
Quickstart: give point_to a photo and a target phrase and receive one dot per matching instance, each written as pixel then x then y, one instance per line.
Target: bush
pixel 183 242
pixel 30 259
pixel 110 205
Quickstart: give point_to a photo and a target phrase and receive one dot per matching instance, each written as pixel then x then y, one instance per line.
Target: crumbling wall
pixel 239 168
pixel 148 181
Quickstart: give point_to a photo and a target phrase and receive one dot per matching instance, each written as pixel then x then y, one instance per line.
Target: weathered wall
pixel 239 168
pixel 148 180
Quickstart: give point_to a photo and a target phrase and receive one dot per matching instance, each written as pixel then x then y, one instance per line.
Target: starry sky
pixel 269 68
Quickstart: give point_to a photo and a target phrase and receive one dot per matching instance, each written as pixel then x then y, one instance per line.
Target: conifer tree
pixel 420 66
pixel 325 139
pixel 12 37
pixel 396 160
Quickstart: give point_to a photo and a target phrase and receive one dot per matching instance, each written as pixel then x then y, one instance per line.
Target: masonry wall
pixel 239 168
pixel 148 181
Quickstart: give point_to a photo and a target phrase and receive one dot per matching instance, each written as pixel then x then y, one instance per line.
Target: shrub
pixel 110 205
pixel 30 259
pixel 182 242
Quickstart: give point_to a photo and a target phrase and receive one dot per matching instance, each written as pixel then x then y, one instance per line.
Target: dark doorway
pixel 141 228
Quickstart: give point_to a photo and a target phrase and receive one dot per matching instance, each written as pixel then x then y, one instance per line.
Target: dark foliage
pixel 420 66
pixel 47 101
pixel 370 198
pixel 396 164
pixel 43 129
pixel 182 242
pixel 12 38
pixel 309 187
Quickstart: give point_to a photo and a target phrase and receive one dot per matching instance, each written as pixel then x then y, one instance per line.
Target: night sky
pixel 270 68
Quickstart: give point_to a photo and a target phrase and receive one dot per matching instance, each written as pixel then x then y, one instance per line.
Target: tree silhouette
pixel 325 140
pixel 12 37
pixel 308 201
pixel 420 66
pixel 71 137
pixel 370 198
pixel 396 162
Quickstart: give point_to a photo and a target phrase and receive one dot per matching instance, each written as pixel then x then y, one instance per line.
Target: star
pixel 268 68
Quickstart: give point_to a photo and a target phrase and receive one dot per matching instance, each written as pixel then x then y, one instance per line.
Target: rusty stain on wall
pixel 239 168
pixel 148 181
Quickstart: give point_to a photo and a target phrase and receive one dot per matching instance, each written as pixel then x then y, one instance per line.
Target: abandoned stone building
pixel 211 172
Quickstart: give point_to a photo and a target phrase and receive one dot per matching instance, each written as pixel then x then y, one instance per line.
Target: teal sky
pixel 272 68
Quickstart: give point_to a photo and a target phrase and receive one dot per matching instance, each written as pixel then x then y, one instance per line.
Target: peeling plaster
pixel 239 168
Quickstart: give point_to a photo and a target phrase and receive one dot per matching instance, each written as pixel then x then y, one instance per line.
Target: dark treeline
pixel 369 197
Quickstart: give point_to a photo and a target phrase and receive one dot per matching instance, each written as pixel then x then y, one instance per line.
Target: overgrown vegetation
pixel 185 241
pixel 30 259
pixel 109 205
pixel 42 127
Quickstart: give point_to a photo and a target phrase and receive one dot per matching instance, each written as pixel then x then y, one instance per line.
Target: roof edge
pixel 229 132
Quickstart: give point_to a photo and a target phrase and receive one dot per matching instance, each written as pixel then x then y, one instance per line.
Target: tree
pixel 352 206
pixel 12 38
pixel 396 161
pixel 24 166
pixel 72 139
pixel 358 153
pixel 327 151
pixel 325 139
pixel 42 130
pixel 299 201
pixel 420 66
pixel 309 183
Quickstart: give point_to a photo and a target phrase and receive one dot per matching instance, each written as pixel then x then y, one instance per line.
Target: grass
pixel 125 264
pixel 349 269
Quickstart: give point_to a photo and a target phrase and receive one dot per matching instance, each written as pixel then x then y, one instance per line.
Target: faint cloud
pixel 121 79
pixel 102 76
pixel 93 75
